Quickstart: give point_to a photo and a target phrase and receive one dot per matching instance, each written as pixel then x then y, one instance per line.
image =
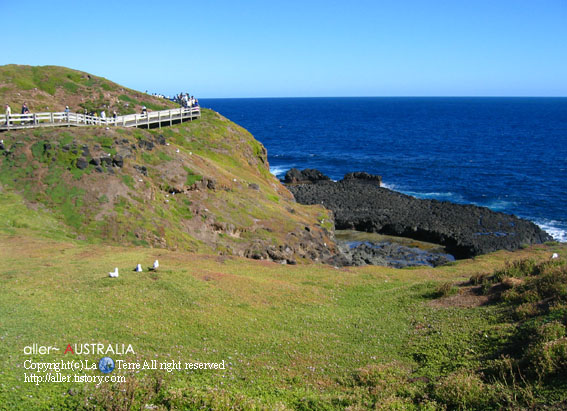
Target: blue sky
pixel 252 48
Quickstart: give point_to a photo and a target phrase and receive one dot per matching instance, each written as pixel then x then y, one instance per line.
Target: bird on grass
pixel 114 274
pixel 155 266
pixel 554 256
pixel 138 268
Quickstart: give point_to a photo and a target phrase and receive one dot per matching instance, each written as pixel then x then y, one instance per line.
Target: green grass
pixel 302 337
pixel 192 178
pixel 128 180
pixel 60 86
pixel 16 215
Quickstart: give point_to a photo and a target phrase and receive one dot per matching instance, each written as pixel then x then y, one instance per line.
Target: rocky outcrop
pixel 311 243
pixel 387 254
pixel 363 177
pixel 82 163
pixel 464 230
pixel 295 176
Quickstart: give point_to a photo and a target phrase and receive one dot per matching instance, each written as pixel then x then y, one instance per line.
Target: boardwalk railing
pixel 62 119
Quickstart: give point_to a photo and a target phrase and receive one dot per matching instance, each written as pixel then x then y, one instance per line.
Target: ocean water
pixel 507 154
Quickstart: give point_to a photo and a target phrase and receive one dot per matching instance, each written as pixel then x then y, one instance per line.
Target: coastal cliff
pixel 201 186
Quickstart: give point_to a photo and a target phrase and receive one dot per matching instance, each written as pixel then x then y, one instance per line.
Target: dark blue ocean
pixel 508 154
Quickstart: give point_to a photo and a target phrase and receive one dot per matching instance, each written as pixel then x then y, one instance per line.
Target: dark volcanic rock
pixel 118 161
pixel 294 176
pixel 211 183
pixel 387 254
pixel 464 230
pixel 141 169
pixel 147 145
pixel 85 150
pixel 160 139
pixel 82 163
pixel 106 161
pixel 362 176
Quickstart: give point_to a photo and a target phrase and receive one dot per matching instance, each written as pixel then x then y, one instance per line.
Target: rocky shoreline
pixel 358 202
pixel 389 254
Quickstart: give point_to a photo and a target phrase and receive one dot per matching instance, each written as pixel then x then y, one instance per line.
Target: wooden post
pixel 159 118
pixel 148 119
pixel 51 116
pixel 170 119
pixel 34 119
pixel 136 120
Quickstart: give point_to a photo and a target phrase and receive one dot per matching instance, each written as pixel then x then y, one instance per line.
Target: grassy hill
pixel 200 186
pixel 485 333
pixel 51 88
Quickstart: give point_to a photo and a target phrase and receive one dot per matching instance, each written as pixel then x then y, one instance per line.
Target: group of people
pixel 185 100
pixel 96 116
pixel 25 110
pixel 182 98
pixel 158 95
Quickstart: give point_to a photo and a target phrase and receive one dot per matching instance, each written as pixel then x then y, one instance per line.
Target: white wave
pixel 279 171
pixel 431 195
pixel 389 186
pixel 496 205
pixel 427 195
pixel 453 197
pixel 556 229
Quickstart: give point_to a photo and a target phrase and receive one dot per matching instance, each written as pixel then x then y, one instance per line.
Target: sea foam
pixel 279 171
pixel 556 229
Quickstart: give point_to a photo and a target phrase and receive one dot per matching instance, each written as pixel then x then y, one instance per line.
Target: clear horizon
pixel 253 49
pixel 291 97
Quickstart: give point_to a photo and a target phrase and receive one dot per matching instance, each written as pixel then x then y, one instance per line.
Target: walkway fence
pixel 159 118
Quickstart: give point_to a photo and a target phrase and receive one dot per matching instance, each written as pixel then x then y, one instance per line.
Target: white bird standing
pixel 155 266
pixel 554 256
pixel 114 274
pixel 138 268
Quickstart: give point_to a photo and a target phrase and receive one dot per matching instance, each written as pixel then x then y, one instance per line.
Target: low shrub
pixel 465 390
pixel 445 290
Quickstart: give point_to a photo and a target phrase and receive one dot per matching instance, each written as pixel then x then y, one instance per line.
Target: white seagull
pixel 138 268
pixel 554 256
pixel 114 274
pixel 155 266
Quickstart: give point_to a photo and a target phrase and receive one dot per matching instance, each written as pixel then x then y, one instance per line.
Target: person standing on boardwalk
pixel 8 114
pixel 25 110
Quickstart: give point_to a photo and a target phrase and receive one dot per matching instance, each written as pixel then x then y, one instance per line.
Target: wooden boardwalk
pixel 150 120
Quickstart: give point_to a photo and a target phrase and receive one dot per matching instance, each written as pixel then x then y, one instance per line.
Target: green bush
pixel 445 290
pixel 465 390
pixel 546 359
